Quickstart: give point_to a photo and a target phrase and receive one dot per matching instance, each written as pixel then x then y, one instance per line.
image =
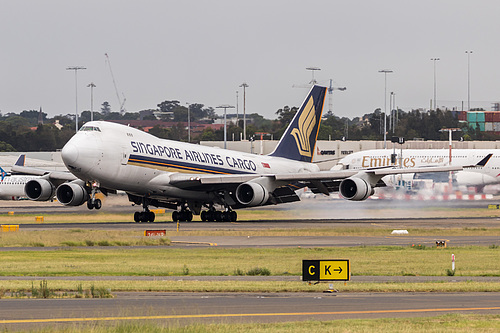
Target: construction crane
pixel 330 95
pixel 120 101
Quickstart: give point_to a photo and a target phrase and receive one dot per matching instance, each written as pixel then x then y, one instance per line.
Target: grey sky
pixel 201 51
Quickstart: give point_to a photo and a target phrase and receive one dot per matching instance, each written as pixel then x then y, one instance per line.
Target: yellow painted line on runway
pixel 197 243
pixel 233 315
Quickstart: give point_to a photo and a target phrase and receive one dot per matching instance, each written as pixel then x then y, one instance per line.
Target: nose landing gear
pixel 93 202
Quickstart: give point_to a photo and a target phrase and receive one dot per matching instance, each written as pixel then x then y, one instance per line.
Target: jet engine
pixel 39 190
pixel 72 194
pixel 355 189
pixel 252 194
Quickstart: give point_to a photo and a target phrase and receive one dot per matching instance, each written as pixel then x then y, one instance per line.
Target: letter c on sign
pixel 310 272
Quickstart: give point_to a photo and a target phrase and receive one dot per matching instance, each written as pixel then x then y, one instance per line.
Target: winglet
pixel 485 160
pixel 21 160
pixel 299 141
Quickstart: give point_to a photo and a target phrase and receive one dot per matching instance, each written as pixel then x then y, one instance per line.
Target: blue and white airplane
pixel 12 186
pixel 482 166
pixel 192 179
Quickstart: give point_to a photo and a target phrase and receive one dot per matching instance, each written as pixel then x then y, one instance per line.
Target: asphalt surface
pixel 186 308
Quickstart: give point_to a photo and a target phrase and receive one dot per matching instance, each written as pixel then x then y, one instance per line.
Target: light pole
pixel 395 116
pixel 391 117
pixel 237 109
pixel 434 60
pixel 189 123
pixel 244 85
pixel 385 71
pixel 76 69
pixel 225 106
pixel 92 86
pixel 468 79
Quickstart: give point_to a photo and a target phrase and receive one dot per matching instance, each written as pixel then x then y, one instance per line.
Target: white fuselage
pixel 414 158
pixel 12 187
pixel 123 158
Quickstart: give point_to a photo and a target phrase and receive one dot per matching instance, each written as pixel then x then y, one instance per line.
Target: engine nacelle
pixel 39 190
pixel 71 194
pixel 355 189
pixel 252 194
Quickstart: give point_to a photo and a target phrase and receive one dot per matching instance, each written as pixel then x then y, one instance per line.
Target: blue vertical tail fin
pixel 3 174
pixel 21 160
pixel 299 141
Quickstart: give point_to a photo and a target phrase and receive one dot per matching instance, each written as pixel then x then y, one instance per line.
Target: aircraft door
pixel 124 155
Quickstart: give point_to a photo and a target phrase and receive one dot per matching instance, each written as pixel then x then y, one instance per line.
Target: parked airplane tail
pixel 299 141
pixel 3 173
pixel 21 160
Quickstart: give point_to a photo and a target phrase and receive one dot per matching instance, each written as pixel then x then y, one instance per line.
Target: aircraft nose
pixel 69 153
pixel 80 154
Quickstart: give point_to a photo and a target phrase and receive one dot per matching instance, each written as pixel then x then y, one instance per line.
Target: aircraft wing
pixel 20 168
pixel 56 175
pixel 319 182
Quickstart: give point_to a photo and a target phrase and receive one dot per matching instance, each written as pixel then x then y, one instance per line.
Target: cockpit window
pixel 90 129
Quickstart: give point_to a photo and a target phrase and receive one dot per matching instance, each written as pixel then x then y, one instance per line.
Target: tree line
pixel 22 132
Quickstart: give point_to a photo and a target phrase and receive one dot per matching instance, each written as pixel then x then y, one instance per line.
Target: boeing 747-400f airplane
pixel 192 179
pixel 484 163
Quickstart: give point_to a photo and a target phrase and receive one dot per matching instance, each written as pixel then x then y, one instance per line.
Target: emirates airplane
pixel 483 164
pixel 193 179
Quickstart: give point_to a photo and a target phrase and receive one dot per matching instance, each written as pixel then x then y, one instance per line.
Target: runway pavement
pixel 182 308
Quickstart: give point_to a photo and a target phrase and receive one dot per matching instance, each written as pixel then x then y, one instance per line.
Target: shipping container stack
pixel 485 121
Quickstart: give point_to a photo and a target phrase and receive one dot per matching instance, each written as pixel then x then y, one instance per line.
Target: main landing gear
pixel 218 216
pixel 182 216
pixel 146 215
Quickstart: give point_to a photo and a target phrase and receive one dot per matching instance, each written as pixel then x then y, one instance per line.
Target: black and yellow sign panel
pixel 326 270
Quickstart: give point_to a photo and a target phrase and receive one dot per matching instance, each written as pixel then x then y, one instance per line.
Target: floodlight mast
pixel 225 106
pixel 91 85
pixel 312 69
pixel 244 85
pixel 385 71
pixel 76 69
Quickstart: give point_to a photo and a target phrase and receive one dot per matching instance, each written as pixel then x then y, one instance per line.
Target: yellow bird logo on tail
pixel 306 123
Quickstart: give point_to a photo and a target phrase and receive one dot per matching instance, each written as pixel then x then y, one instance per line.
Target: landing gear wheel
pixel 182 216
pixel 97 204
pixel 219 217
pixel 175 216
pixel 233 216
pixel 204 216
pixel 150 216
pixel 144 217
pixel 137 217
